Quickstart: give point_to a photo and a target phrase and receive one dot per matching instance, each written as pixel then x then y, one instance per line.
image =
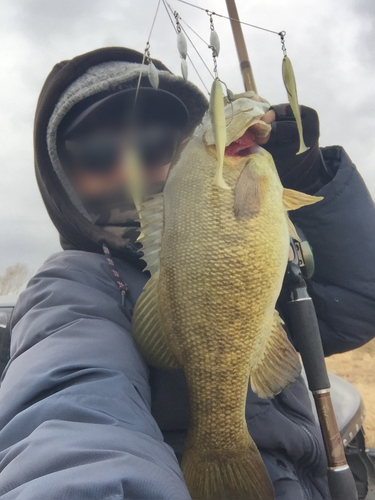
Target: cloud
pixel 331 46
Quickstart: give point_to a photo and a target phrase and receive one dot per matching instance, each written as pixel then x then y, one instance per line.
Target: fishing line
pixel 153 22
pixel 197 34
pixel 201 79
pixel 144 56
pixel 134 184
pixel 187 36
pixel 230 18
pixel 178 28
pixel 190 59
pixel 197 51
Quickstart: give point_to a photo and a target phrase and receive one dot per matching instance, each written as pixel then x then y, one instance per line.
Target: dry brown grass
pixel 358 367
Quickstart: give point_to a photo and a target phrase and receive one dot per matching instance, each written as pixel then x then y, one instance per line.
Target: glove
pixel 299 172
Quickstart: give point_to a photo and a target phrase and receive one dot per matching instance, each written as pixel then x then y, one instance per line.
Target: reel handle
pixel 341 484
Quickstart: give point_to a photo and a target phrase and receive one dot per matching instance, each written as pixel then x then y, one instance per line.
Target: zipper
pixel 303 465
pixel 313 457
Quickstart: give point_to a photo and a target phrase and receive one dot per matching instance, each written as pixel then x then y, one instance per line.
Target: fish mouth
pixel 243 146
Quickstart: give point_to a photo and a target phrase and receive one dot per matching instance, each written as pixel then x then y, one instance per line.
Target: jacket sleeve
pixel 75 400
pixel 341 231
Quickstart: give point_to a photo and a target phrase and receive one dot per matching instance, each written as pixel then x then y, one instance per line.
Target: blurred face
pixel 92 184
pixel 96 163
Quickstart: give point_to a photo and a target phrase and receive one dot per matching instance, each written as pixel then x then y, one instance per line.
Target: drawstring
pixel 123 287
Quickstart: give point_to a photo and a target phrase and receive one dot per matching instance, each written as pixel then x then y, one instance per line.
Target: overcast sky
pixel 330 42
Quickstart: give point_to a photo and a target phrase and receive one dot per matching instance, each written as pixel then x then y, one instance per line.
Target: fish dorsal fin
pixel 292 200
pixel 151 221
pixel 150 212
pixel 147 326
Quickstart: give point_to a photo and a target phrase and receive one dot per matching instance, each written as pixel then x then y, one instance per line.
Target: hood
pixel 69 84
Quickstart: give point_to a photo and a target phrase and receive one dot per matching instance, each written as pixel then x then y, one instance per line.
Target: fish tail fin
pixel 235 474
pixel 278 364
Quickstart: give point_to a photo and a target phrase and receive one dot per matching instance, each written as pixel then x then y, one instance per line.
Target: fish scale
pixel 223 254
pixel 218 381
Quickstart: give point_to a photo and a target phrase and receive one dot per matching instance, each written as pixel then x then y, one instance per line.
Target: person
pixel 81 415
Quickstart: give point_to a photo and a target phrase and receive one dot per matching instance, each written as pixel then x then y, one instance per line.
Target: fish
pixel 291 88
pixel 216 244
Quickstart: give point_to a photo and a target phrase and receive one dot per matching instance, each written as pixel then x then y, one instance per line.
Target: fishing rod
pixel 246 70
pixel 305 328
pixel 306 336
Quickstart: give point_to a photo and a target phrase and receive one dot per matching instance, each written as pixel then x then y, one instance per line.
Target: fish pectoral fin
pixel 278 366
pixel 147 328
pixel 292 200
pixel 249 193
